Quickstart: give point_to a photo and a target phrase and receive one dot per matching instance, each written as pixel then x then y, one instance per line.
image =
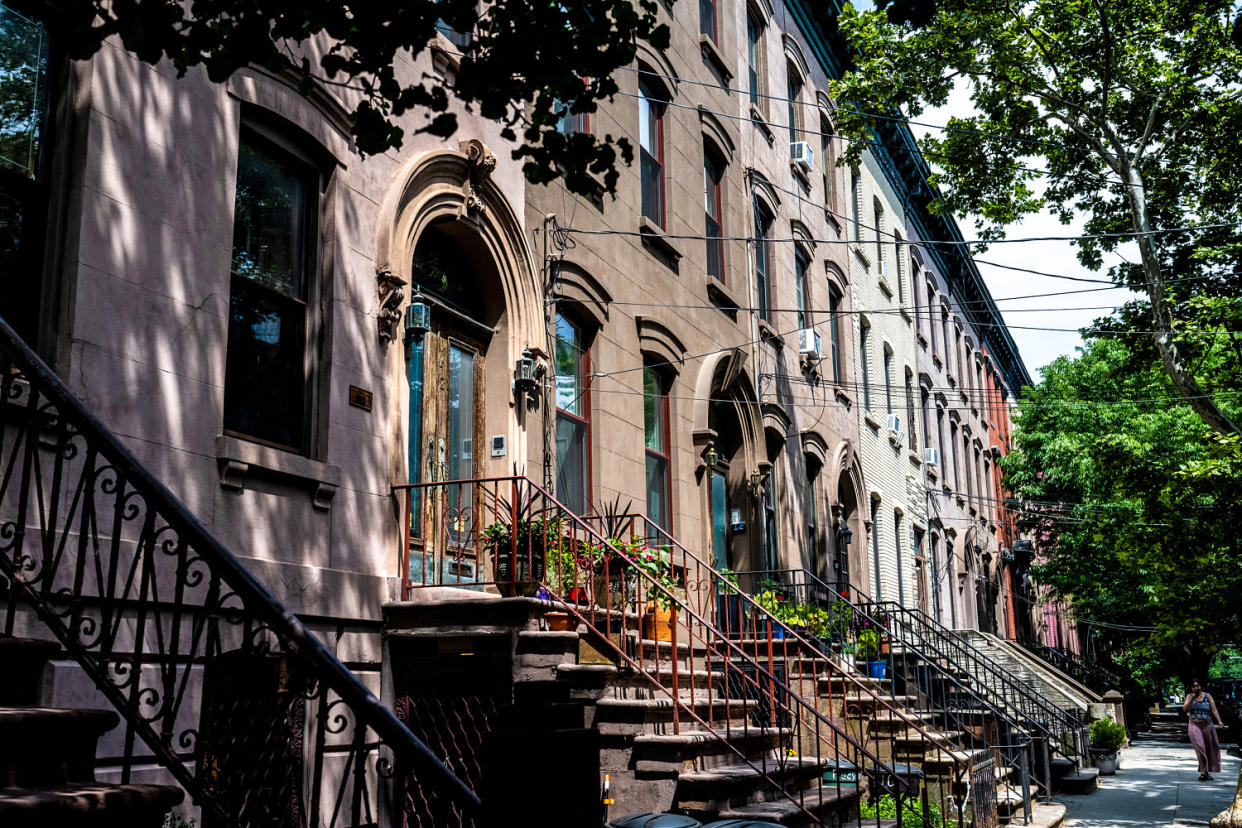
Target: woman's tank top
pixel 1201 709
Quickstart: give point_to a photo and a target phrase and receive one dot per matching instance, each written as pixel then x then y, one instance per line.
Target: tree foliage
pixel 1133 505
pixel 1126 111
pixel 524 63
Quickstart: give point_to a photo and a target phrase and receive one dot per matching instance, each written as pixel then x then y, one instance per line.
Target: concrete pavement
pixel 1157 786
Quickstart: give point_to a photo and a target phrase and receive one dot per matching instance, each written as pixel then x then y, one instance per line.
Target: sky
pixel 1038 347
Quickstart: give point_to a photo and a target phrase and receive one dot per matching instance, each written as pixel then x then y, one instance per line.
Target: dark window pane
pixel 568 367
pixel 571 466
pixel 269 222
pixel 651 173
pixel 707 18
pixel 653 411
pixel 657 490
pixel 265 380
pixel 23 91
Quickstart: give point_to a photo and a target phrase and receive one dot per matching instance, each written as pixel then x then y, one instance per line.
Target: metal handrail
pixel 212 599
pixel 562 535
pixel 1092 675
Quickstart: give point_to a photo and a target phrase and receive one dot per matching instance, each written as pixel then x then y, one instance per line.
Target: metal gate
pixel 983 790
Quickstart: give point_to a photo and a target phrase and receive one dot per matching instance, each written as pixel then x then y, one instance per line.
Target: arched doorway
pixel 847 555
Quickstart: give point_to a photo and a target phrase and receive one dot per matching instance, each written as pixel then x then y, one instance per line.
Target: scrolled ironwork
pixel 238 701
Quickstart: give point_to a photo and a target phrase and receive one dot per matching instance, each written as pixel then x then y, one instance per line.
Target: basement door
pixel 445 372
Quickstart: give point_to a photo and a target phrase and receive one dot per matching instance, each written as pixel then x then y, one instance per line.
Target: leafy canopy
pixel 1133 505
pixel 525 63
pixel 1126 111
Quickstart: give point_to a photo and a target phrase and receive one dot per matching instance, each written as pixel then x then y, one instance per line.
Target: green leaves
pixel 510 63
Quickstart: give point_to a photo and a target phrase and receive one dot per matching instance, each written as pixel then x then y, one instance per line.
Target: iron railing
pixel 1091 675
pixel 727 667
pixel 213 677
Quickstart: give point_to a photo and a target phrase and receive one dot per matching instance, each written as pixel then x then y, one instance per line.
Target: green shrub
pixel 1107 735
pixel 911 812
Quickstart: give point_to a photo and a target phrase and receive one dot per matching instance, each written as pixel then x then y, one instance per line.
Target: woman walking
pixel 1202 711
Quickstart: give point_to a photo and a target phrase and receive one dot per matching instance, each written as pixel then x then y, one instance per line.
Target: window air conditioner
pixel 894 423
pixel 931 456
pixel 808 343
pixel 884 272
pixel 801 154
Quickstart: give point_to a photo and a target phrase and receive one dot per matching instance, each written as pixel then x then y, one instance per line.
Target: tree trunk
pixel 1153 279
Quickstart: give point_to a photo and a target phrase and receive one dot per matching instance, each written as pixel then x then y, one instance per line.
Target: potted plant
pixel 1107 737
pixel 520 574
pixel 660 613
pixel 870 642
pixel 772 600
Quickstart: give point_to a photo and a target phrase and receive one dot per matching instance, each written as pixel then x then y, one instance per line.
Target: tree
pixel 1133 505
pixel 525 63
pixel 1128 109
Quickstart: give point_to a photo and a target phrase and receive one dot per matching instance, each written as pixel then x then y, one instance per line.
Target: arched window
pixel 864 361
pixel 656 442
pixel 794 112
pixel 755 80
pixel 763 286
pixel 834 331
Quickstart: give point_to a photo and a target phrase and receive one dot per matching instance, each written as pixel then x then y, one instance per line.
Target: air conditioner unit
pixel 809 343
pixel 801 153
pixel 894 422
pixel 931 456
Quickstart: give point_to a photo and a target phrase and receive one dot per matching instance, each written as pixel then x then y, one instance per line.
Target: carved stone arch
pixel 815 446
pixel 656 339
pixel 660 70
pixel 776 426
pixel 445 184
pixel 764 190
pixel 763 8
pixel 721 376
pixel 805 238
pixel 826 110
pixel 916 253
pixel 717 135
pixel 577 287
pixel 316 113
pixel 925 381
pixel 793 53
pixel 838 277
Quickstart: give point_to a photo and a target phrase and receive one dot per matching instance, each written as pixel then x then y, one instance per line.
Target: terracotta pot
pixel 560 621
pixel 658 623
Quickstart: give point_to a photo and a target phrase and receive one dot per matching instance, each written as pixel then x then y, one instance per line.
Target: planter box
pixel 1106 763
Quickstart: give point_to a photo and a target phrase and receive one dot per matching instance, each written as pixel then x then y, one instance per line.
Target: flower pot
pixel 518 577
pixel 877 669
pixel 658 623
pixel 608 590
pixel 848 661
pixel 1106 762
pixel 560 621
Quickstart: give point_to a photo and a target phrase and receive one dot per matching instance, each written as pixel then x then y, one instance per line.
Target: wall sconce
pixel 417 317
pixel 711 456
pixel 527 373
pixel 756 482
pixel 847 535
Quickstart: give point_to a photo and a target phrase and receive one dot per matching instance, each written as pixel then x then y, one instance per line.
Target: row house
pixel 301 402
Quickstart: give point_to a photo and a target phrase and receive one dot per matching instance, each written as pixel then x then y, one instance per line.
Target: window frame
pixel 756 76
pixel 713 195
pixel 835 297
pixel 794 84
pixel 763 261
pixel 663 381
pixel 802 287
pixel 656 108
pixel 583 346
pixel 272 143
pixel 714 33
pixel 864 357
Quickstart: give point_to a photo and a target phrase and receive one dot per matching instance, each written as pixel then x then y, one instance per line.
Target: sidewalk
pixel 1157 786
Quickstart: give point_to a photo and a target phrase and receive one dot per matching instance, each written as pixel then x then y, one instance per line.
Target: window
pixel 924 406
pixel 856 203
pixel 966 466
pixel 878 229
pixel 967 377
pixel 651 151
pixel 931 321
pixel 888 380
pixel 901 577
pixel 979 387
pixel 864 334
pixel 875 549
pixel 655 430
pixel 957 480
pixel 267 382
pixel 944 458
pixel 754 60
pixel 802 263
pixel 826 155
pixel 809 509
pixel 899 253
pixel 834 332
pixel 707 20
pixel 571 123
pixel 794 87
pixel 713 173
pixel 770 550
pixel 934 567
pixel 911 431
pixel 915 278
pixel 763 223
pixel 920 574
pixel 573 428
pixel 962 371
pixel 24 106
pixel 948 351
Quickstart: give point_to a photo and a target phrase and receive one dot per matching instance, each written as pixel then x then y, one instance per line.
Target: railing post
pixel 405 546
pixel 675 659
pixel 513 533
pixel 1024 774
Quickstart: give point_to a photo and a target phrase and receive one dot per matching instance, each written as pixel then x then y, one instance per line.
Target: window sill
pixel 715 59
pixel 655 239
pixel 871 420
pixel 757 117
pixel 914 457
pixel 862 257
pixel 905 312
pixel 720 296
pixel 922 340
pixel 842 396
pixel 936 359
pixel 240 458
pixel 802 177
pixel 769 334
pixel 886 287
pixel 832 221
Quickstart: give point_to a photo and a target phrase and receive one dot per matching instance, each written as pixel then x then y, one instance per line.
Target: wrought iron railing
pixel 1065 730
pixel 1091 675
pixel 726 666
pixel 221 684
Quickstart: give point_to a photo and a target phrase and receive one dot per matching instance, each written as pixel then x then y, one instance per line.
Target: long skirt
pixel 1206 745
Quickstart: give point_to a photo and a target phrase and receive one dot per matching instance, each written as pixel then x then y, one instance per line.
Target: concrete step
pixel 730 787
pixel 1083 781
pixel 697 750
pixel 23 660
pixel 827 805
pixel 633 717
pixel 88 804
pixel 50 746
